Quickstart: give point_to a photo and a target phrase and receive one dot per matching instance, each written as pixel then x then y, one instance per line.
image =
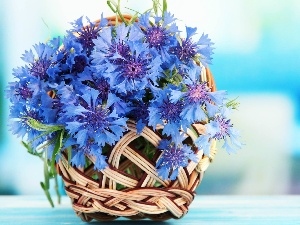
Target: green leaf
pixel 69 149
pixel 31 151
pixel 133 18
pixel 33 123
pixel 56 189
pixel 112 5
pixel 46 174
pixel 28 147
pixel 47 193
pixel 57 147
pixel 165 6
pixel 155 6
pixel 233 104
pixel 115 7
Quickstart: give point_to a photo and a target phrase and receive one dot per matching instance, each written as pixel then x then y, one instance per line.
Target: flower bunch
pixel 77 92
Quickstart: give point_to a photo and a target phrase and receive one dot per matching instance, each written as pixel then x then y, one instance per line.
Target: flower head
pixel 165 112
pixel 127 62
pixel 102 85
pixel 19 91
pixel 89 149
pixel 220 128
pixel 140 114
pixel 187 50
pixel 199 102
pixel 175 155
pixel 19 115
pixel 86 34
pixel 39 63
pixel 74 65
pixel 160 34
pixel 91 121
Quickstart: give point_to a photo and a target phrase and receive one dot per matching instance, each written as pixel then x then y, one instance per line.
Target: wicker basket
pixel 97 195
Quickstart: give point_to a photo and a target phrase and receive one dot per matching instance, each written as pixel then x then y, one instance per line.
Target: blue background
pixel 256 59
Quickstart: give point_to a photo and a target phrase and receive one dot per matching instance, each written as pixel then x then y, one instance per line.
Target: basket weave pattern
pixel 144 193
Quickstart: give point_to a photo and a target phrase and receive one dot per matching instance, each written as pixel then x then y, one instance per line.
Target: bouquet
pixel 78 96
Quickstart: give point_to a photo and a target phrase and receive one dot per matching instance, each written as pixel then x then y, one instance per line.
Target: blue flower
pixel 101 84
pixel 199 102
pixel 39 64
pixel 113 42
pixel 161 33
pixel 205 49
pixel 19 115
pixel 78 158
pixel 220 128
pixel 128 63
pixel 165 112
pixel 90 149
pixel 174 155
pixel 74 65
pixel 187 50
pixel 65 93
pixel 92 121
pixel 140 114
pixel 19 91
pixel 86 34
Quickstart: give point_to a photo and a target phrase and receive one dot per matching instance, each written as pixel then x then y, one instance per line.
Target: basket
pixel 97 195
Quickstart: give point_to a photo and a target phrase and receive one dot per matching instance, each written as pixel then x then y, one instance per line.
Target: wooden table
pixel 35 210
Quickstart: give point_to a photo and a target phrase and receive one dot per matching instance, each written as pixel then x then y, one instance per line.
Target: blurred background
pixel 257 59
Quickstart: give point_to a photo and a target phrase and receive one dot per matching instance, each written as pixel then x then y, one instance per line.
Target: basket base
pixel 102 217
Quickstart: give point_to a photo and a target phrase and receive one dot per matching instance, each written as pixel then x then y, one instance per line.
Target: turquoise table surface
pixel 35 210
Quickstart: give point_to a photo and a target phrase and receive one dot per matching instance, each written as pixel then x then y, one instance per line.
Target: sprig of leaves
pixel 116 8
pixel 234 104
pixel 156 7
pixel 49 165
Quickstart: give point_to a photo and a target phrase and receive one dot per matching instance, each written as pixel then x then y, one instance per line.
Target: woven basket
pixel 97 195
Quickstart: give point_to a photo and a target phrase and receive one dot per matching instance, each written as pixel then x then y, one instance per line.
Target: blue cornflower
pixel 19 115
pixel 89 149
pixel 111 42
pixel 86 34
pixel 101 84
pixel 187 50
pixel 199 102
pixel 140 114
pixel 205 49
pixel 66 93
pixel 39 63
pixel 174 155
pixel 125 60
pixel 220 128
pixel 32 92
pixel 161 33
pixel 19 91
pixel 165 112
pixel 74 65
pixel 92 121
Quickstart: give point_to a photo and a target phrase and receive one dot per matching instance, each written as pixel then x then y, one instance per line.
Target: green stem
pixel 116 9
pixel 47 193
pixel 57 189
pixel 46 184
pixel 165 6
pixel 46 174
